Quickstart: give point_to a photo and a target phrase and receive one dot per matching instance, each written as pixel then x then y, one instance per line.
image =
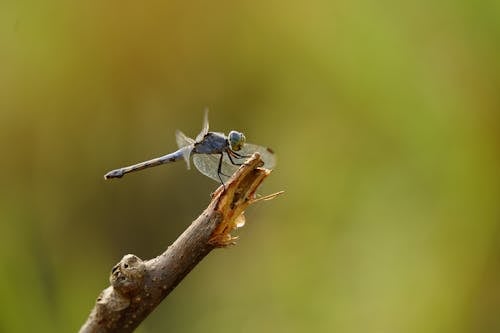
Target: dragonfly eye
pixel 236 140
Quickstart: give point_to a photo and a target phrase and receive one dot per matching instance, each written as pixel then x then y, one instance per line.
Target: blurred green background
pixel 384 116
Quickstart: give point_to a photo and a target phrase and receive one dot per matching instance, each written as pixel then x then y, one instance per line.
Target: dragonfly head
pixel 236 140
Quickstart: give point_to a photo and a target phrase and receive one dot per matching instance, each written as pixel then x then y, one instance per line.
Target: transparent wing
pixel 207 164
pixel 266 154
pixel 184 142
pixel 204 129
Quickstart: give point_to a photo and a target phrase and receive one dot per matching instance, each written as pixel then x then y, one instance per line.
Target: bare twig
pixel 138 286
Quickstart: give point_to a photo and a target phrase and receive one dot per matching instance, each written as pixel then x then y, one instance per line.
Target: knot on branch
pixel 127 276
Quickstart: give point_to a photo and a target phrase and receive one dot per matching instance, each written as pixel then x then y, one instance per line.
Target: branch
pixel 138 286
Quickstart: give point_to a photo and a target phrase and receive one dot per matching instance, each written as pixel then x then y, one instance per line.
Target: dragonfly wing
pixel 182 140
pixel 204 129
pixel 186 144
pixel 208 164
pixel 266 154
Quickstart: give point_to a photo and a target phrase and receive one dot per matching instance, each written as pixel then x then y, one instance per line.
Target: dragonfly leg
pixel 231 153
pixel 219 170
pixel 231 158
pixel 239 155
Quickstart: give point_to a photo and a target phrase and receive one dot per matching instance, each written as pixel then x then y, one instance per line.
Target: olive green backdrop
pixel 384 116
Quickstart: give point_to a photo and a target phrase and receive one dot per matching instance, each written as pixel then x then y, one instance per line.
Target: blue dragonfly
pixel 214 154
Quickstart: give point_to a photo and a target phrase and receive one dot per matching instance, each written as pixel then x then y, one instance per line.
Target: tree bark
pixel 138 286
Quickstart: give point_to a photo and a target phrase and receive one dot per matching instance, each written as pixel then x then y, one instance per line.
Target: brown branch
pixel 138 286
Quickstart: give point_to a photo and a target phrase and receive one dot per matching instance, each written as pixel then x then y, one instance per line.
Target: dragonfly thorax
pixel 236 140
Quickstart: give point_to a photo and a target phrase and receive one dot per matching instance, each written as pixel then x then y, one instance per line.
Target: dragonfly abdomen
pixel 172 157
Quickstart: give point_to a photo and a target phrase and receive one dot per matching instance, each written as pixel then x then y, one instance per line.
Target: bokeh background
pixel 384 116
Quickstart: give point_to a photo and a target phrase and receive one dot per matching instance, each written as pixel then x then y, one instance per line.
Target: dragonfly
pixel 214 154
